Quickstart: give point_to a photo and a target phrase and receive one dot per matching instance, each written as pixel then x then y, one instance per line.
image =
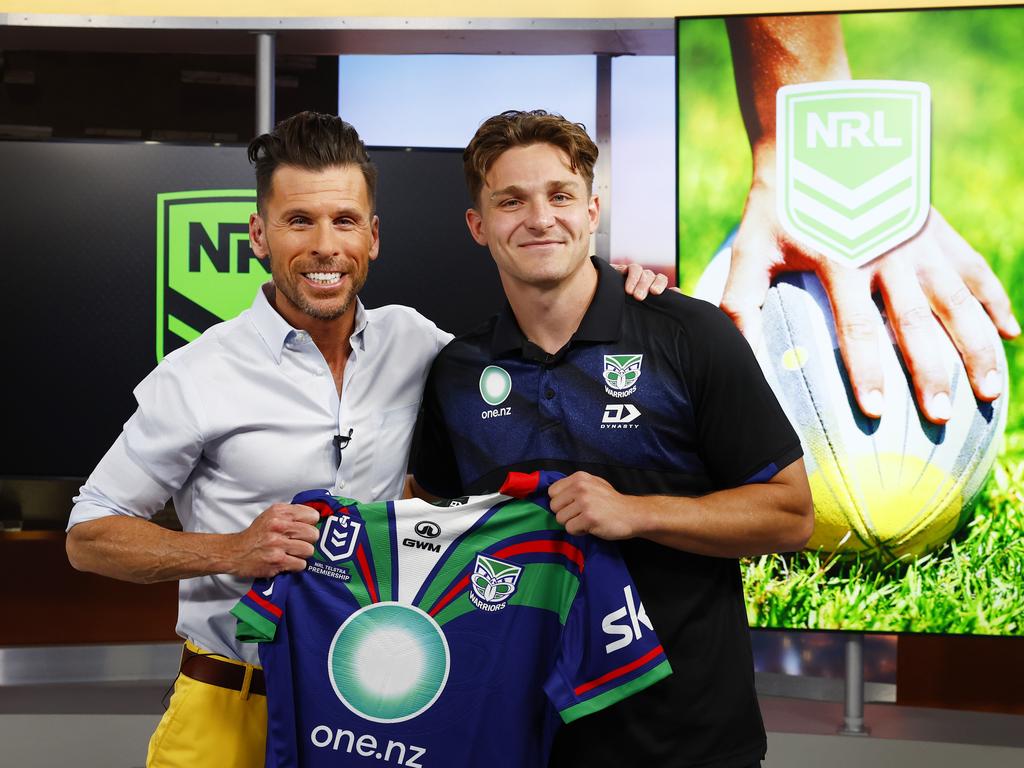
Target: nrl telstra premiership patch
pixel 853 165
pixel 621 373
pixel 338 538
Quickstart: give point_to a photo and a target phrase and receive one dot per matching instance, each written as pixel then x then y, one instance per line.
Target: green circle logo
pixel 495 385
pixel 388 662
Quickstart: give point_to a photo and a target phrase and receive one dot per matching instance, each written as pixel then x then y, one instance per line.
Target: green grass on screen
pixel 973 60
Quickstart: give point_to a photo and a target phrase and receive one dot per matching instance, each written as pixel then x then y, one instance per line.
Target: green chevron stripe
pixel 606 699
pixel 182 329
pixel 516 517
pixel 862 242
pixel 863 208
pixel 379 536
pixel 252 627
pixel 546 586
pixel 457 607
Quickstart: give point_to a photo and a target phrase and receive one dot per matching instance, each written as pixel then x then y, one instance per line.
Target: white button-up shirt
pixel 245 416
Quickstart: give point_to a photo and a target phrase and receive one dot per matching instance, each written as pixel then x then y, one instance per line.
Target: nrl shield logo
pixel 205 270
pixel 338 537
pixel 853 165
pixel 621 373
pixel 493 581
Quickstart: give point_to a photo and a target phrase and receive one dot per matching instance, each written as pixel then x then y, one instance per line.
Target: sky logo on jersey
pixel 388 662
pixel 626 631
pixel 338 537
pixel 205 270
pixel 853 165
pixel 493 582
pixel 621 373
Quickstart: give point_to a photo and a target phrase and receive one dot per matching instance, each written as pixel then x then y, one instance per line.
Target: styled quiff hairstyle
pixel 515 128
pixel 312 141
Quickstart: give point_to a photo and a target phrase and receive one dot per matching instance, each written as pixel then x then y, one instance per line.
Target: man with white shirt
pixel 305 389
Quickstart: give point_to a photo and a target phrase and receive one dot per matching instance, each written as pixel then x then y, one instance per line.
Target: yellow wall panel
pixel 609 9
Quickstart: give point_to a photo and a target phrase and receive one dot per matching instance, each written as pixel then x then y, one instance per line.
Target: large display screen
pixel 118 253
pixel 849 189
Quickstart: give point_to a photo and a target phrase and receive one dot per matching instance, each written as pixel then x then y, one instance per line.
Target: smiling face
pixel 319 230
pixel 536 215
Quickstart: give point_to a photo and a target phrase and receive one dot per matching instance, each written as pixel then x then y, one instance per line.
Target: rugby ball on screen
pixel 899 485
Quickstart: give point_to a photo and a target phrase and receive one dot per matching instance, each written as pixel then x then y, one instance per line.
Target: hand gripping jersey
pixel 458 633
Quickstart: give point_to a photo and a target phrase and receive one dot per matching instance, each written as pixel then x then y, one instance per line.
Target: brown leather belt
pixel 224 674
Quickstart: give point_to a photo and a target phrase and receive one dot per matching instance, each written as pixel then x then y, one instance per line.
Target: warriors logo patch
pixel 621 373
pixel 493 582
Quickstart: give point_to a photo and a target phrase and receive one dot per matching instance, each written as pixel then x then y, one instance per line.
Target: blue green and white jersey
pixel 458 633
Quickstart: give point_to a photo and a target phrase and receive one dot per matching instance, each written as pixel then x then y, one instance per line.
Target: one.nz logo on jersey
pixel 205 270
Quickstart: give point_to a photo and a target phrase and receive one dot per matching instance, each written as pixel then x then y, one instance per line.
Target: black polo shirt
pixel 662 396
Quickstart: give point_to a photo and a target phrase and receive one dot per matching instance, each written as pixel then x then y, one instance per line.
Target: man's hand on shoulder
pixel 584 503
pixel 280 539
pixel 640 282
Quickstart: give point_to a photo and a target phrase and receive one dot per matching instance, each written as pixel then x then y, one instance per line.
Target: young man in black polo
pixel 658 413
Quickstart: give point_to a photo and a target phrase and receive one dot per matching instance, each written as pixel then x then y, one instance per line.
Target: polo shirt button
pixel 549 394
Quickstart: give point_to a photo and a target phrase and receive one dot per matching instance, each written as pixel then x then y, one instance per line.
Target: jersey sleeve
pixel 609 649
pixel 260 610
pixel 743 434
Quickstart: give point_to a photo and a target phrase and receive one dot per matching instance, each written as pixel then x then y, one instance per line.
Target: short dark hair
pixel 312 141
pixel 516 128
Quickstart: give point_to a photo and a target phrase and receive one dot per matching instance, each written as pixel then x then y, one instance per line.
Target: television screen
pixel 848 192
pixel 118 253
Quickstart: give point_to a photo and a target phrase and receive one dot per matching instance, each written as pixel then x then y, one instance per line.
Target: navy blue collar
pixel 602 321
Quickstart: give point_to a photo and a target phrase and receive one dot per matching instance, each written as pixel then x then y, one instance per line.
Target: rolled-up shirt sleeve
pixel 154 454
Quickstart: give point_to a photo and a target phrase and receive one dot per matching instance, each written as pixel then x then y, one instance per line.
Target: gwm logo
pixel 493 582
pixel 853 165
pixel 205 270
pixel 621 373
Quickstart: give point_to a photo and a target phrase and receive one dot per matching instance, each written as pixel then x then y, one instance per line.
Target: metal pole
pixel 853 714
pixel 603 169
pixel 264 82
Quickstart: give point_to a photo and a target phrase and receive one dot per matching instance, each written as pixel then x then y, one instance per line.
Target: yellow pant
pixel 206 726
